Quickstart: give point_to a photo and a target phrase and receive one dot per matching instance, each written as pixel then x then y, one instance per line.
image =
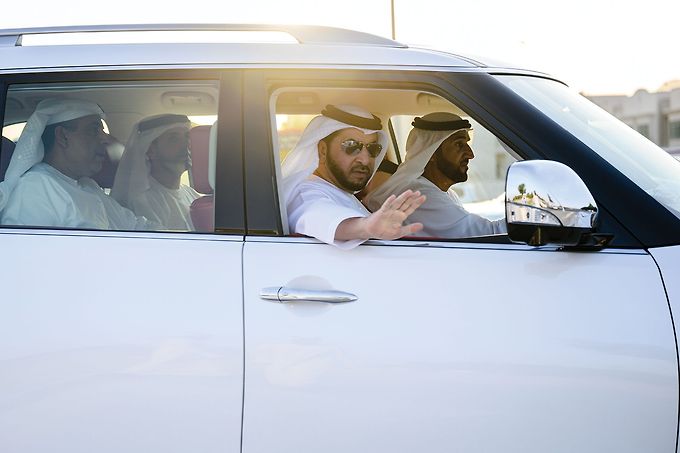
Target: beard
pixel 343 179
pixel 454 172
pixel 172 166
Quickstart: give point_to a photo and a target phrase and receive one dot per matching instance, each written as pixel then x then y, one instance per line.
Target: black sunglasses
pixel 353 147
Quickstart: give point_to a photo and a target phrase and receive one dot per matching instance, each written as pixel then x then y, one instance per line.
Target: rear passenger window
pixel 476 197
pixel 109 155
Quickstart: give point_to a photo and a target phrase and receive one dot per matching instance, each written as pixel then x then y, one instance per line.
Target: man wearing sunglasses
pixel 336 157
pixel 437 156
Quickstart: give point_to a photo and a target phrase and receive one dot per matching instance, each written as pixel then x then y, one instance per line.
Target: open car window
pixel 481 195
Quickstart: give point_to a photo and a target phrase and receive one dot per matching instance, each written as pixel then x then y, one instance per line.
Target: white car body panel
pixel 120 344
pixel 668 259
pixel 115 341
pixel 553 354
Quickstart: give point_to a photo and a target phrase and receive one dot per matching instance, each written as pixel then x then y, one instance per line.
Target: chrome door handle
pixel 283 294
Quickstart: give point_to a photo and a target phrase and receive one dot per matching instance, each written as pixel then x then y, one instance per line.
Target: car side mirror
pixel 546 202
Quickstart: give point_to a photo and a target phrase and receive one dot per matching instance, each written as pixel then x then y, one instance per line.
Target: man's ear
pixel 322 148
pixel 60 136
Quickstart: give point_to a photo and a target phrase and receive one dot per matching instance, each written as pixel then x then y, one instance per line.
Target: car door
pixel 451 346
pixel 117 341
pixel 457 348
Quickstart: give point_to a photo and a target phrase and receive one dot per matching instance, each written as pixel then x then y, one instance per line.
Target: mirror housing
pixel 546 202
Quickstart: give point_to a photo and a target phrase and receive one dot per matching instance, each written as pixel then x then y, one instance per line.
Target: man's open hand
pixel 385 223
pixel 388 221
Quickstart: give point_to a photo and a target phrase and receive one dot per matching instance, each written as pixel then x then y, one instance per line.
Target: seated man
pixel 385 170
pixel 148 176
pixel 336 157
pixel 48 179
pixel 437 156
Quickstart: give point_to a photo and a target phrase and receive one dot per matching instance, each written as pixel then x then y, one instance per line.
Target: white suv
pixel 237 336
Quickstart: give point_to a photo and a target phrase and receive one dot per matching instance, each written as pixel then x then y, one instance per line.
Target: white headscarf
pixel 30 149
pixel 420 146
pixel 304 158
pixel 134 169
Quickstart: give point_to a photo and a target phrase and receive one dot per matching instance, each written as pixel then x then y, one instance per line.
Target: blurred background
pixel 622 55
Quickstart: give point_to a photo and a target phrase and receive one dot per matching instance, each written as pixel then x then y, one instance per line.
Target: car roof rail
pixel 304 34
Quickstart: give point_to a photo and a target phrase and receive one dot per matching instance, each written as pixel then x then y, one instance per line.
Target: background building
pixel 654 115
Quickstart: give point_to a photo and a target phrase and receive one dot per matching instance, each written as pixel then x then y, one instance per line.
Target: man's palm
pixel 388 221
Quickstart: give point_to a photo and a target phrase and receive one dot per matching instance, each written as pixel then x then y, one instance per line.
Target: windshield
pixel 650 167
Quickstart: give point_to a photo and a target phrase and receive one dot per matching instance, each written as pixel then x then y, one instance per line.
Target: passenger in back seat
pixel 48 181
pixel 148 179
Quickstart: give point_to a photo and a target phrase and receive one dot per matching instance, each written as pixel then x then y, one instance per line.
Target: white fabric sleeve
pixel 119 217
pixel 442 217
pixel 122 218
pixel 315 214
pixel 38 201
pixel 167 208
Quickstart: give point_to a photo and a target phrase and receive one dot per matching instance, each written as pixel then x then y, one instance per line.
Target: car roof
pixel 310 46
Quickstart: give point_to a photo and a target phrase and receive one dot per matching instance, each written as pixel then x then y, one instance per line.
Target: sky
pixel 596 46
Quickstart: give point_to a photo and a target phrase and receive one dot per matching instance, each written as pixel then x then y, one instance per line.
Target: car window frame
pixel 229 208
pixel 262 199
pixel 635 218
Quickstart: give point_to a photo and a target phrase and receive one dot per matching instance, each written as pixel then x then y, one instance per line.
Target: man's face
pixel 454 157
pixel 171 148
pixel 346 170
pixel 84 148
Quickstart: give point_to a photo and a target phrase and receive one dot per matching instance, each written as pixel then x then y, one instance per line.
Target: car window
pixel 482 193
pixel 289 129
pixel 652 169
pixel 131 155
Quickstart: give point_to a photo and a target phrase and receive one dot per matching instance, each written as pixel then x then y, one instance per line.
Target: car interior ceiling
pixel 383 102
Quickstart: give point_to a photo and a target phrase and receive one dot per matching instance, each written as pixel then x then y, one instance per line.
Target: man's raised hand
pixel 388 221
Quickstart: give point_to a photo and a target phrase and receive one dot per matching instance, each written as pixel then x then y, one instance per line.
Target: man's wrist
pixel 364 227
pixel 353 228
